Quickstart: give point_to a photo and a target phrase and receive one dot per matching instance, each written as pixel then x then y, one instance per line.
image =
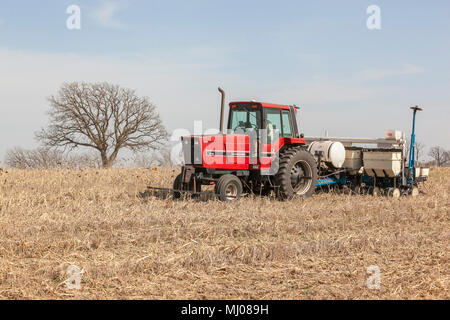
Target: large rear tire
pixel 297 174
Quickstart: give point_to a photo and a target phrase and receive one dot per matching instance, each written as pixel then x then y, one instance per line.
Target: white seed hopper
pixel 382 162
pixel 353 159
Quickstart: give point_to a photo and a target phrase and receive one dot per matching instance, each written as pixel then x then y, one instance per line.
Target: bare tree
pixel 44 158
pixel 34 159
pixel 447 157
pixel 143 160
pixel 439 155
pixel 420 146
pixel 83 160
pixel 104 117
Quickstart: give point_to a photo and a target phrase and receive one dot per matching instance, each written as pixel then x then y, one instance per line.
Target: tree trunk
pixel 106 163
pixel 113 156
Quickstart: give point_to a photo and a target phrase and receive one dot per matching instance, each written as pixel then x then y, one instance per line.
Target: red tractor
pixel 261 152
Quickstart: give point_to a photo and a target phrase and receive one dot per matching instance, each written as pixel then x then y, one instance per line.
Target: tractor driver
pixel 269 129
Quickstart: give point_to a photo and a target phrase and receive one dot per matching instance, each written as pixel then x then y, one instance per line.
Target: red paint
pixel 262 104
pixel 232 152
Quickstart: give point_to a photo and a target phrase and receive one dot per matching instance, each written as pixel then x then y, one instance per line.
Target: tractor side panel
pixel 232 152
pixel 226 152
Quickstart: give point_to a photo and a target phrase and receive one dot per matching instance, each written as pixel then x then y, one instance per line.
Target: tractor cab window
pixel 245 118
pixel 286 120
pixel 273 124
pixel 278 124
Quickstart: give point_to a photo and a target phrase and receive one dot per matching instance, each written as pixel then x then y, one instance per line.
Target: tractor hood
pixel 216 151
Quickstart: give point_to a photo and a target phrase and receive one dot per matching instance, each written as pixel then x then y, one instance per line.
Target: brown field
pixel 257 248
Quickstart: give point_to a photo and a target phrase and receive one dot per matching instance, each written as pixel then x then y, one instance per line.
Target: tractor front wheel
pixel 228 188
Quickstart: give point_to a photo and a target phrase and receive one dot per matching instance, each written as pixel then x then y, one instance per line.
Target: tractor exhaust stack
pixel 222 108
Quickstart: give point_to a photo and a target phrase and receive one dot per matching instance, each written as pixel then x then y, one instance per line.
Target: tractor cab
pixel 270 127
pixel 267 121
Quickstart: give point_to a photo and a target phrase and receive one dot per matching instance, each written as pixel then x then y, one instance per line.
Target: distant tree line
pixel 437 156
pixel 440 157
pixel 45 158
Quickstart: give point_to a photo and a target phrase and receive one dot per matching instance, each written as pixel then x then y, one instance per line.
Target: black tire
pixel 179 185
pixel 297 174
pixel 229 188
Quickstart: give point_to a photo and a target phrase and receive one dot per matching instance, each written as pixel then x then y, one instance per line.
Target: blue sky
pixel 320 55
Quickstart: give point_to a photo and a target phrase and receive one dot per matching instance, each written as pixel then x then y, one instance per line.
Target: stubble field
pixel 257 248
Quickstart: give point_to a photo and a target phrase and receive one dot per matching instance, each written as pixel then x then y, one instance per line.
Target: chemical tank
pixel 332 152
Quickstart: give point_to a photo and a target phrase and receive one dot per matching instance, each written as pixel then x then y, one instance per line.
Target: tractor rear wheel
pixel 228 188
pixel 178 184
pixel 297 174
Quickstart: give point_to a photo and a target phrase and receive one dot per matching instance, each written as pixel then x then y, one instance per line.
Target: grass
pixel 257 248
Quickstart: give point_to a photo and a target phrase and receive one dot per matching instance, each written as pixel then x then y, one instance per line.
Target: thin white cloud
pixel 106 14
pixel 376 74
